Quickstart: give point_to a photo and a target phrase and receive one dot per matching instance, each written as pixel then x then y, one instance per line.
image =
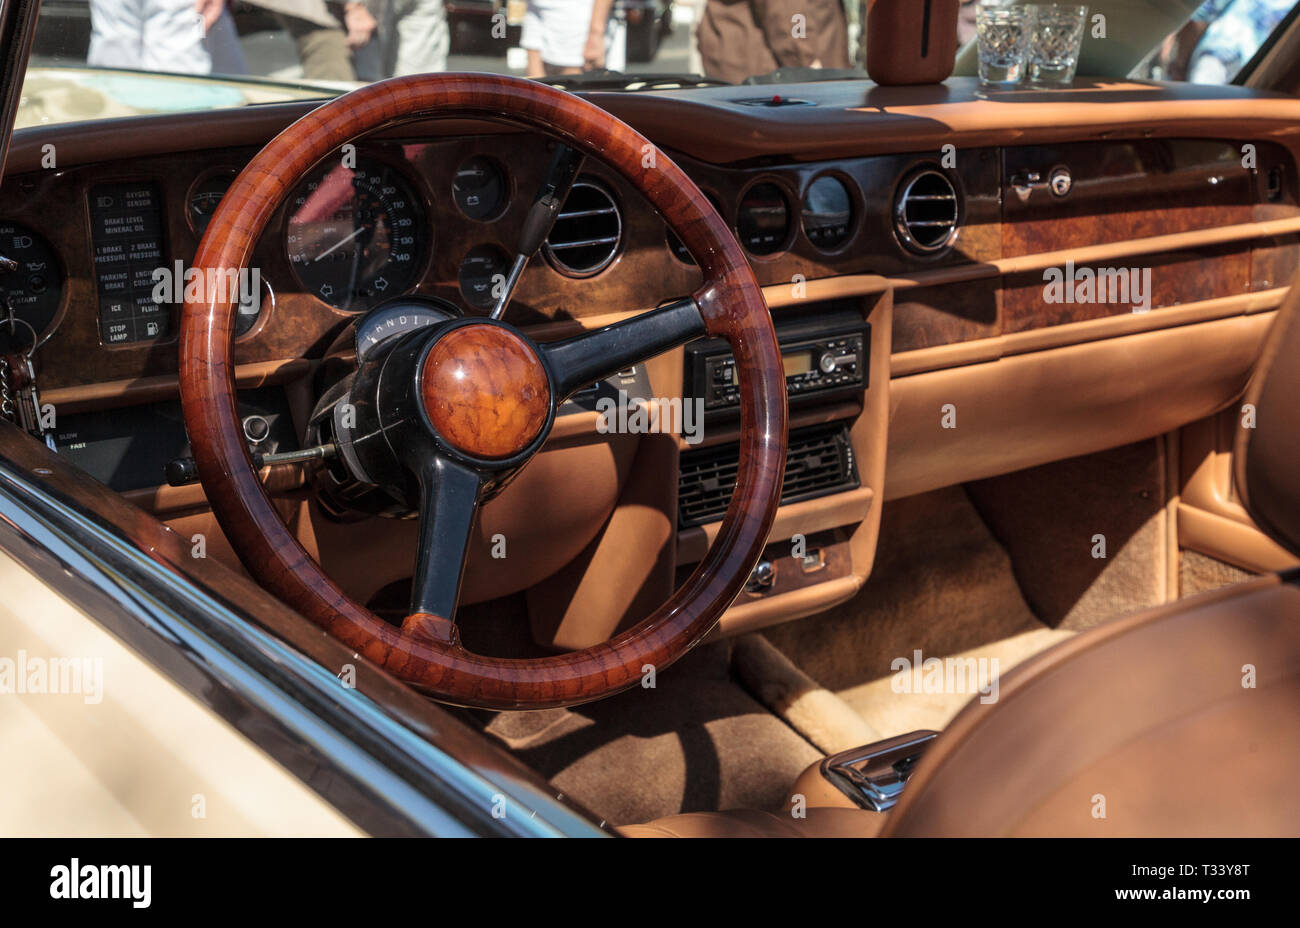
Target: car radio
pixel 825 357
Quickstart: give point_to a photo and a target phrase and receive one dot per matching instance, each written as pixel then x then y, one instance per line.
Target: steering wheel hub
pixel 485 391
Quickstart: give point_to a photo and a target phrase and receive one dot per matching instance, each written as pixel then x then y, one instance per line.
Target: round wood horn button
pixel 485 391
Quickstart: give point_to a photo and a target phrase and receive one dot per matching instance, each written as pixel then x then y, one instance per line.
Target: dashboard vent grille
pixel 927 212
pixel 819 462
pixel 587 232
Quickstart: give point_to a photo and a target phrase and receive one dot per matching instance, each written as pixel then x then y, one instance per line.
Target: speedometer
pixel 354 233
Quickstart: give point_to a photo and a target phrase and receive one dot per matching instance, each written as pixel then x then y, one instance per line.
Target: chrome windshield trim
pixel 377 772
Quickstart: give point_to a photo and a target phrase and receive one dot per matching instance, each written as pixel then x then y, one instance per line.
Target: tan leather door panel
pixel 1211 519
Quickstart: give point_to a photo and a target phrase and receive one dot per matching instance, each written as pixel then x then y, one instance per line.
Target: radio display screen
pixel 798 362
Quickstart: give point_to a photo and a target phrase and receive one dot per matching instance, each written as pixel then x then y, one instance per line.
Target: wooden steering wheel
pixel 464 404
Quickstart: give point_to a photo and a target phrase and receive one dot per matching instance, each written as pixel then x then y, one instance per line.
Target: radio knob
pixel 827 362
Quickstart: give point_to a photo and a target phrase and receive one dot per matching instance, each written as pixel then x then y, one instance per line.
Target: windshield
pixel 102 58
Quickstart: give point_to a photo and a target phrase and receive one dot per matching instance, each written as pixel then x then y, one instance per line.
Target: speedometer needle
pixel 339 244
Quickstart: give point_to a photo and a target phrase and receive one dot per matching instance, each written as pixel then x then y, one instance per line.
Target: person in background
pixel 413 38
pixel 743 38
pixel 152 35
pixel 694 64
pixel 326 33
pixel 606 39
pixel 556 35
pixel 223 39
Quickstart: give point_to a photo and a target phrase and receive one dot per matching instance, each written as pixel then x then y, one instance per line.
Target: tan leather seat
pixel 1179 721
pixel 1150 725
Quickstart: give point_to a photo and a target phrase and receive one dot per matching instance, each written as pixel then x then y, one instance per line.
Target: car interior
pixel 1086 500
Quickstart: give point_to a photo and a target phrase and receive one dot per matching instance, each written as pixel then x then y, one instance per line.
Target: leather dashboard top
pixel 727 124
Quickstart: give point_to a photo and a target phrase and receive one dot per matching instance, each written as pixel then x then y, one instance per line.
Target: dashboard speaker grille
pixel 927 212
pixel 587 232
pixel 819 462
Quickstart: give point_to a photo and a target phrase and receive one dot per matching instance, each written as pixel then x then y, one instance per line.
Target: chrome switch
pixel 762 578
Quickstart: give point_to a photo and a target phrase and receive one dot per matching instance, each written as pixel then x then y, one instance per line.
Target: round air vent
pixel 927 212
pixel 586 234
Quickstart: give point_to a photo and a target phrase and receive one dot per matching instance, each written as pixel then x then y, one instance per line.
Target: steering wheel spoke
pixel 449 496
pixel 592 356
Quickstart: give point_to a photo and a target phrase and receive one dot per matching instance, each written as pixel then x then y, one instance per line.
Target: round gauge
pixel 352 237
pixel 483 267
pixel 249 309
pixel 32 291
pixel 204 197
pixel 827 213
pixel 399 317
pixel 479 188
pixel 763 219
pixel 679 250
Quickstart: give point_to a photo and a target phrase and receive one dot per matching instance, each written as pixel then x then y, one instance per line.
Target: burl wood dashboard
pixel 935 216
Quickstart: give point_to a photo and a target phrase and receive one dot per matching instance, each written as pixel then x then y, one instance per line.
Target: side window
pixel 1217 42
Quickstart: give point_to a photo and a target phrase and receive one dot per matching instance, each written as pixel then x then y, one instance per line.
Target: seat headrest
pixel 1267 453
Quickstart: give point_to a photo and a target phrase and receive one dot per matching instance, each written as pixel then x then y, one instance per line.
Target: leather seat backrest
pixel 1267 453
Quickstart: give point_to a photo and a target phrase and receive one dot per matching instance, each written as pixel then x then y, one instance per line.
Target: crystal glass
pixel 1003 34
pixel 1055 42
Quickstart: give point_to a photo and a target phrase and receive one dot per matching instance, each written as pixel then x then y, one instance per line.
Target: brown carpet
pixel 941 584
pixel 1046 517
pixel 885 708
pixel 1199 573
pixel 826 720
pixel 696 742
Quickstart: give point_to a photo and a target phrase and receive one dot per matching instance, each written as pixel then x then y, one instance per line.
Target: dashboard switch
pixel 764 575
pixel 181 471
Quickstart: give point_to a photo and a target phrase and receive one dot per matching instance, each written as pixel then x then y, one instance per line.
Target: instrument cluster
pixel 376 221
pixel 355 232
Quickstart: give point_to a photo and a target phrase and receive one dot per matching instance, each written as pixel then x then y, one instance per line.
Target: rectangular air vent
pixel 819 462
